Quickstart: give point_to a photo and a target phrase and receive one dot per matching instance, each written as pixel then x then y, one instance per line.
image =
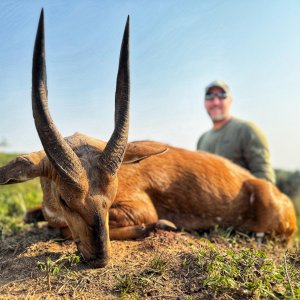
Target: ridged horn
pixel 113 154
pixel 62 157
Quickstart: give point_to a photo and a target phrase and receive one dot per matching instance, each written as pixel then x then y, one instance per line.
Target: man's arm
pixel 199 143
pixel 256 152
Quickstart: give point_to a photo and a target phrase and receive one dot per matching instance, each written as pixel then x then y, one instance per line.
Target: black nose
pixel 98 262
pixel 93 262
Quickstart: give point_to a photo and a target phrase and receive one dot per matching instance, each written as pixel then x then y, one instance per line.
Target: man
pixel 240 141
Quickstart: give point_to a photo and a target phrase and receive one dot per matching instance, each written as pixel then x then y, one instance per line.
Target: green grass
pixel 15 199
pixel 61 265
pixel 132 286
pixel 6 157
pixel 249 271
pixel 230 268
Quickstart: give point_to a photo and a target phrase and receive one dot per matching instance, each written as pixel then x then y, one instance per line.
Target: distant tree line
pixel 3 143
pixel 289 183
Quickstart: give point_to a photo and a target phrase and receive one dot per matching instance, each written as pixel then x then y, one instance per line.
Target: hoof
pixel 259 237
pixel 33 215
pixel 165 225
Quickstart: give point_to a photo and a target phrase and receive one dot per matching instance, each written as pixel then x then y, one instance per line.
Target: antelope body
pixel 95 190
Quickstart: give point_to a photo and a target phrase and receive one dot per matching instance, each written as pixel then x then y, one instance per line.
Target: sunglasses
pixel 211 96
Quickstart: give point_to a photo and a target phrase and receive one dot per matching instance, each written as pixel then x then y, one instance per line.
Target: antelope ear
pixel 23 168
pixel 138 151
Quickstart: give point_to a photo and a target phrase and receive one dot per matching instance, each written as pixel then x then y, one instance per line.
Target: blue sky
pixel 177 47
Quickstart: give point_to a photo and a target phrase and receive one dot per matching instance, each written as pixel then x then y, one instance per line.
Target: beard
pixel 217 118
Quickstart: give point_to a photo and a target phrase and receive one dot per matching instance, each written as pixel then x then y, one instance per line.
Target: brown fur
pixel 194 190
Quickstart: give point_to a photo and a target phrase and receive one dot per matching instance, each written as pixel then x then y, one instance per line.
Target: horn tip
pixel 41 20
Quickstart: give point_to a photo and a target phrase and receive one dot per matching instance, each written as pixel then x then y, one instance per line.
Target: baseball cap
pixel 221 84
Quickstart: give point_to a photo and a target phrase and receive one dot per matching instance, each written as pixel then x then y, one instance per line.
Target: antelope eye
pixel 63 202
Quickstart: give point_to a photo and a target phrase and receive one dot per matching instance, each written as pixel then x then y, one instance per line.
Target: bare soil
pixel 162 266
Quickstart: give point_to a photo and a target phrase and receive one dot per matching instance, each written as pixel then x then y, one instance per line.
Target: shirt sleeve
pixel 256 153
pixel 198 147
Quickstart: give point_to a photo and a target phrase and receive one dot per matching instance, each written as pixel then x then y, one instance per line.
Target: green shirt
pixel 243 143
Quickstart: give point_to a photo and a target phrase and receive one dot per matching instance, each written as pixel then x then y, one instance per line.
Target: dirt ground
pixel 162 266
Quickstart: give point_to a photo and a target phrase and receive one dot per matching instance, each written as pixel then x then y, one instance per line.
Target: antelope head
pixel 81 183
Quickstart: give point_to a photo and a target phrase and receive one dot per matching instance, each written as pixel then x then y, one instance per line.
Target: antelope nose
pixel 99 262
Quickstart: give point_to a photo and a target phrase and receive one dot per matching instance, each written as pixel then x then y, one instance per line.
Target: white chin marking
pixel 251 198
pixel 260 234
pixel 52 215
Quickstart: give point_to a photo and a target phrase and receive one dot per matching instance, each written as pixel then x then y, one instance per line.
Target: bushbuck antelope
pixel 95 190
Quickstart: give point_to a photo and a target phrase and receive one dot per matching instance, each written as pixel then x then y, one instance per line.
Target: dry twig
pixel 287 275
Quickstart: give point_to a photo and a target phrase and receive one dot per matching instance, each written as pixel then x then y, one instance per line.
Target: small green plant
pixel 125 285
pixel 53 268
pixel 247 271
pixel 132 286
pixel 157 265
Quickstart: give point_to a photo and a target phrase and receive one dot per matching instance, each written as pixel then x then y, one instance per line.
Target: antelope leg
pixel 131 232
pixel 34 214
pixel 139 231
